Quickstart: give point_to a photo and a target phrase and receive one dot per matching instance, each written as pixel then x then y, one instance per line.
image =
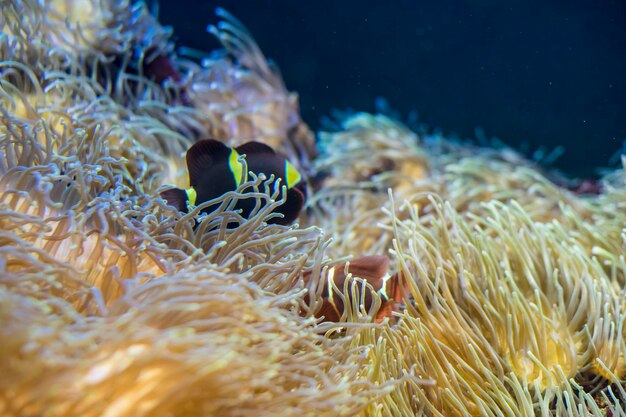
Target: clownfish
pixel 373 269
pixel 215 169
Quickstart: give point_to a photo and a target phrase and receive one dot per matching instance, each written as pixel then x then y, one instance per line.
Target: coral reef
pixel 114 304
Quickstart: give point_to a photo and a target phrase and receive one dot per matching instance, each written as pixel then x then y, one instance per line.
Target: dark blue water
pixel 532 73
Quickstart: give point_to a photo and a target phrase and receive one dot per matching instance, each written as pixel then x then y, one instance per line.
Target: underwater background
pixel 401 271
pixel 534 74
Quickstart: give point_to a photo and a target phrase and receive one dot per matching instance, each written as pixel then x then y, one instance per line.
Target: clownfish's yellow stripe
pixel 292 175
pixel 236 167
pixel 192 196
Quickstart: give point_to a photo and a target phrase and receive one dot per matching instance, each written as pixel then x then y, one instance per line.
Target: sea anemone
pixel 113 303
pixel 243 97
pixel 514 280
pixel 90 251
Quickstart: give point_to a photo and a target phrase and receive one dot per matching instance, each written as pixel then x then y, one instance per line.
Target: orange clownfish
pixel 372 269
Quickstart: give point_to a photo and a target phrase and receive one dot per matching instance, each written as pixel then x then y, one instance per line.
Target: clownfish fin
pixel 202 155
pixel 255 148
pixel 176 197
pixel 372 268
pixel 394 291
pixel 386 311
pixel 291 208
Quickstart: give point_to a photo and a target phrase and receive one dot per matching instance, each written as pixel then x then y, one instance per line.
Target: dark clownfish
pixel 215 169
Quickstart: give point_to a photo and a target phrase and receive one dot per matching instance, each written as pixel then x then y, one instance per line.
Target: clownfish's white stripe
pixel 383 289
pixel 330 280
